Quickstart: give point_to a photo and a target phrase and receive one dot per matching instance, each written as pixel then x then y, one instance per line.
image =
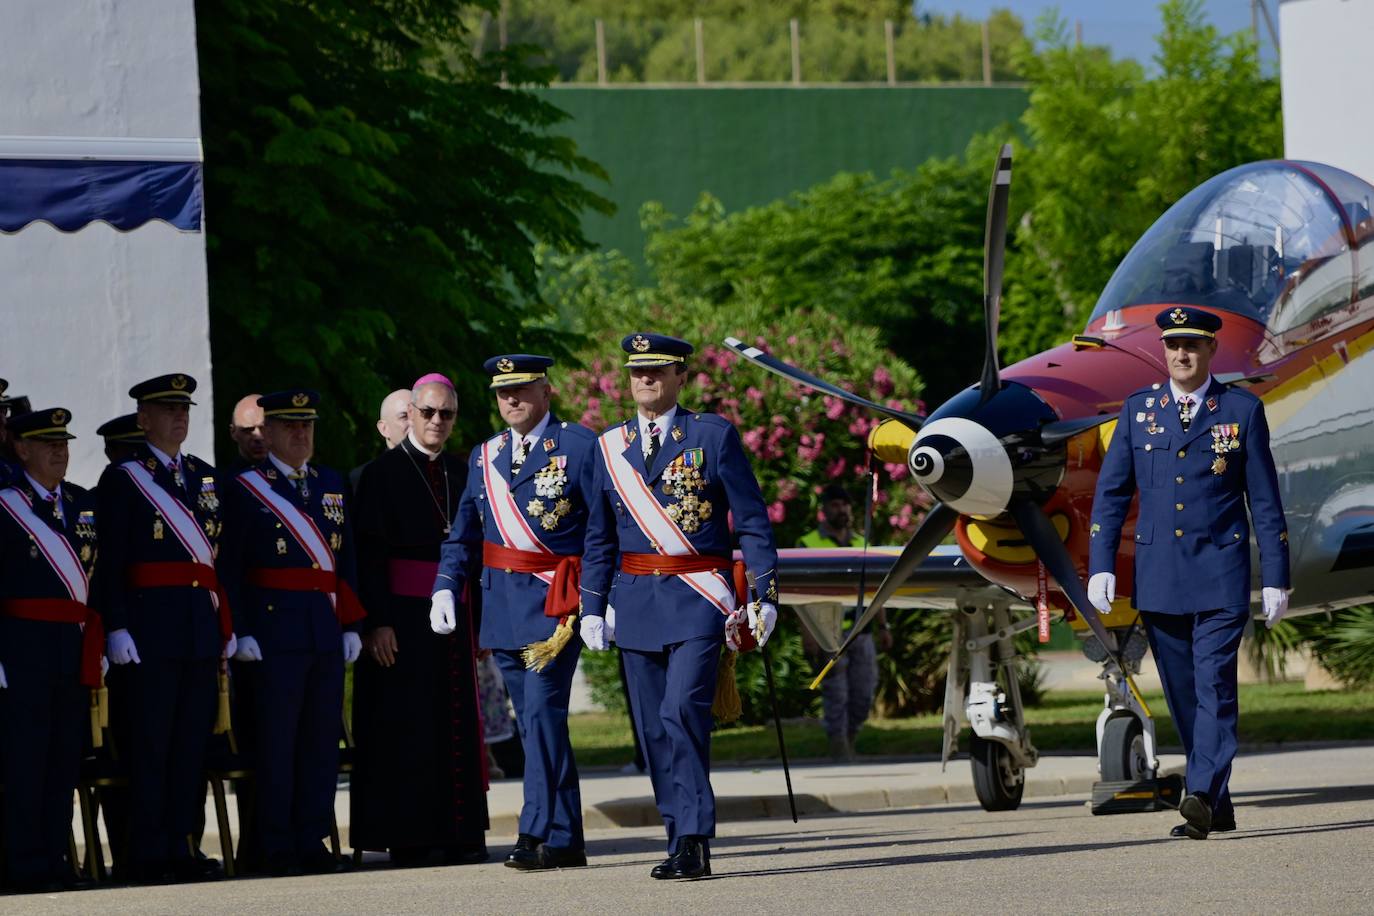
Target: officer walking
pixel 47 544
pixel 288 566
pixel 523 515
pixel 657 580
pixel 168 624
pixel 1197 452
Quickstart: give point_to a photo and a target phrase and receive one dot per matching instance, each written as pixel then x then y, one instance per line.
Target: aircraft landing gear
pixel 1000 749
pixel 1125 728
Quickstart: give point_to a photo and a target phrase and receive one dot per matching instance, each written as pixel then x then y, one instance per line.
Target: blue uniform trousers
pixel 170 713
pixel 553 797
pixel 1196 655
pixel 43 715
pixel 671 693
pixel 300 718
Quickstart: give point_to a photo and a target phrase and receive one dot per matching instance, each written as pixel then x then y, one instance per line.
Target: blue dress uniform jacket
pixel 162 710
pixel 43 711
pixel 513 603
pixel 656 611
pixel 299 686
pixel 1192 554
pixel 671 636
pixel 1192 540
pixel 513 617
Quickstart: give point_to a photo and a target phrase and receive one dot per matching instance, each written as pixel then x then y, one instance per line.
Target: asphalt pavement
pixel 1304 844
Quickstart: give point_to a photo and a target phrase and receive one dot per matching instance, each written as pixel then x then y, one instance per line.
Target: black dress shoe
pixel 196 869
pixel 525 853
pixel 466 855
pixel 561 857
pixel 1197 812
pixel 693 859
pixel 146 873
pixel 1180 831
pixel 323 862
pixel 664 869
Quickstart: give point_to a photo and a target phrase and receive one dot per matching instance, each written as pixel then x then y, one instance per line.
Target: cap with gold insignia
pixel 42 425
pixel 291 404
pixel 516 369
pixel 165 389
pixel 647 349
pixel 121 429
pixel 1182 321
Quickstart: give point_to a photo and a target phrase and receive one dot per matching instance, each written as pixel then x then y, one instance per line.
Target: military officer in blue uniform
pixel 9 406
pixel 1197 452
pixel 658 580
pixel 167 625
pixel 288 566
pixel 519 531
pixel 122 437
pixel 47 545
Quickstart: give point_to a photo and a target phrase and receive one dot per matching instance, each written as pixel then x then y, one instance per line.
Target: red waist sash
pixel 347 606
pixel 185 574
pixel 65 610
pixel 563 595
pixel 653 564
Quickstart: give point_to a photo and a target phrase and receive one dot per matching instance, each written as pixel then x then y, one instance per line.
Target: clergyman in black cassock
pixel 418 784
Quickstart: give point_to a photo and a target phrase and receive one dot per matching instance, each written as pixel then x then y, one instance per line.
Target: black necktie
pixel 653 444
pixel 1185 413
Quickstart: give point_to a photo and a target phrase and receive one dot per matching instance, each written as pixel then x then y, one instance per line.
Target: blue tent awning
pixel 70 183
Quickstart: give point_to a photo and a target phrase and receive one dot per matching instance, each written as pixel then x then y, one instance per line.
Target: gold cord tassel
pixel 100 714
pixel 727 706
pixel 222 721
pixel 539 655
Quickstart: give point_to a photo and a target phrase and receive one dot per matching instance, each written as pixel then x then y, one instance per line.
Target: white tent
pixel 100 135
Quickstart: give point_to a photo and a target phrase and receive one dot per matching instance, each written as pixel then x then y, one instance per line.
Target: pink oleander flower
pixel 897 471
pixel 753 439
pixel 836 468
pixel 776 513
pixel 703 379
pixel 754 394
pixel 788 489
pixel 882 381
pixel 792 340
pixel 605 384
pixel 834 407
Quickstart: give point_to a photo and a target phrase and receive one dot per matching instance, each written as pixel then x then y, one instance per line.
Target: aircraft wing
pixel 827 575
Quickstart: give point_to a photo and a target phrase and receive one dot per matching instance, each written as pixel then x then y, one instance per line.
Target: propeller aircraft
pixel 1283 251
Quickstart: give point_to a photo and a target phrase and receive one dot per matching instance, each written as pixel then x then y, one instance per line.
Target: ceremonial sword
pixel 772 691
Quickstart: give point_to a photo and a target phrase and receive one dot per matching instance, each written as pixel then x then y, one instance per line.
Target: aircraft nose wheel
pixel 997 780
pixel 1123 756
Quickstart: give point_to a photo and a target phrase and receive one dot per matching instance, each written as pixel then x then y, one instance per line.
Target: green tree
pixel 375 196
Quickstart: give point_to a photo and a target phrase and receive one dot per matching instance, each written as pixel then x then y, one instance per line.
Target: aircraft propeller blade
pixel 994 249
pixel 792 373
pixel 1055 433
pixel 1044 540
pixel 938 523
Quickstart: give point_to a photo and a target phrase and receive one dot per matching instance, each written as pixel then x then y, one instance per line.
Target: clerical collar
pixel 662 422
pixel 162 456
pixel 42 491
pixel 285 468
pixel 533 435
pixel 1195 394
pixel 415 443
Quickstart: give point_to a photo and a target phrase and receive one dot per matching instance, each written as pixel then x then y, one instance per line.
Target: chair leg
pixel 226 839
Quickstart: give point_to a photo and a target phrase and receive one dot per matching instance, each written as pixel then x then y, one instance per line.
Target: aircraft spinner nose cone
pixel 963 465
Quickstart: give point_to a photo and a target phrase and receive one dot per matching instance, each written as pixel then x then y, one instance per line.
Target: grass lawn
pixel 1269 714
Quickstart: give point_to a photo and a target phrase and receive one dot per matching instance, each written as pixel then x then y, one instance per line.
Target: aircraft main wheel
pixel 1122 757
pixel 997 781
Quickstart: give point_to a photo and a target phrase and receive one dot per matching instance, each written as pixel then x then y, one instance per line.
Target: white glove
pixel 231 646
pixel 1275 605
pixel 762 618
pixel 593 631
pixel 737 618
pixel 352 647
pixel 1102 591
pixel 104 668
pixel 442 618
pixel 4 681
pixel 122 648
pixel 248 650
pixel 609 617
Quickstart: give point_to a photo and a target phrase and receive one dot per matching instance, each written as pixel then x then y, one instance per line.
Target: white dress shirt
pixel 531 438
pixel 1194 396
pixel 662 423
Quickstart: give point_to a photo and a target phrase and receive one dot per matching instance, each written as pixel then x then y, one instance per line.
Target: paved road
pixel 1305 845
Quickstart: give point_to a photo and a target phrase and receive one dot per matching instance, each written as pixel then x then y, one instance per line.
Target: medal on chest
pixel 550 483
pixel 208 500
pixel 682 481
pixel 332 507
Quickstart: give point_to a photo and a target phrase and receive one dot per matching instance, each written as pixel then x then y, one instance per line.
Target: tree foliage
pixel 749 41
pixel 374 196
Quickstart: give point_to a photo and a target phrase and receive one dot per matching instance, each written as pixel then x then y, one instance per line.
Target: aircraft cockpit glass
pixel 1263 240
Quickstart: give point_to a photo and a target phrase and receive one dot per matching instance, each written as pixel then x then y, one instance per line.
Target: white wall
pixel 83 316
pixel 1327 68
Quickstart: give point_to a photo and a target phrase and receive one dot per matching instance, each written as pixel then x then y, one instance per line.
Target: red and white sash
pixel 301 526
pixel 663 533
pixel 173 511
pixel 54 546
pixel 515 531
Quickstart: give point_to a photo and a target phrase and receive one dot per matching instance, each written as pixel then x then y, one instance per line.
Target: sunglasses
pixel 445 413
